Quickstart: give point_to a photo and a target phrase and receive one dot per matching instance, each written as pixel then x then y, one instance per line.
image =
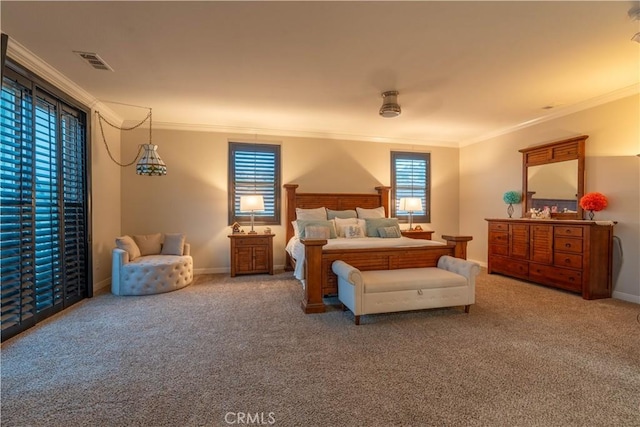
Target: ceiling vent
pixel 94 60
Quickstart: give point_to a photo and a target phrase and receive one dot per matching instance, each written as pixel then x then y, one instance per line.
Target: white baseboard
pixel 626 297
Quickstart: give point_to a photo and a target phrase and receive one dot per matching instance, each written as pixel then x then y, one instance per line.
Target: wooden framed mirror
pixel 553 176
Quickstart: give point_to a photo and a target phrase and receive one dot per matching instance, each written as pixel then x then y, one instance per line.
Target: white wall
pixel 192 197
pixel 105 203
pixel 493 166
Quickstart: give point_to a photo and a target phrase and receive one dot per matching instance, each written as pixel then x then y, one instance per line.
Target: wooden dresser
pixel 571 255
pixel 251 253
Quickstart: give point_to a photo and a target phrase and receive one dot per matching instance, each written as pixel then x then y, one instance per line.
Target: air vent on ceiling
pixel 93 60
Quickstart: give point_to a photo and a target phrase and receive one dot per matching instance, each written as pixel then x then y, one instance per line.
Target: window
pixel 43 203
pixel 254 169
pixel 411 177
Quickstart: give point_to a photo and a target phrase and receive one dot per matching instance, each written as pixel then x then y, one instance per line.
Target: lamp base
pixel 252 232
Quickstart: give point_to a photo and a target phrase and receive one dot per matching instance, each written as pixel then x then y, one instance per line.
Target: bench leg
pixel 356 319
pixel 466 308
pixel 343 307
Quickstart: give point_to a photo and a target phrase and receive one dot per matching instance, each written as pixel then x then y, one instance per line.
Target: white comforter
pixel 295 248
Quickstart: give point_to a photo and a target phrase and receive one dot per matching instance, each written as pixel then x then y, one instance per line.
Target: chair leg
pixel 356 319
pixel 466 308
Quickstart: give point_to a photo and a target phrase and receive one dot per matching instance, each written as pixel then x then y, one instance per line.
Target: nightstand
pixel 251 253
pixel 417 234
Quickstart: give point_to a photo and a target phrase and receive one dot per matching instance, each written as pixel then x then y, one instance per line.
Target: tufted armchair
pixel 151 264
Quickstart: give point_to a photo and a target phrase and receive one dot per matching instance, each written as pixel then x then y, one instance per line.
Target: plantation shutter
pixel 254 169
pixel 43 205
pixel 410 177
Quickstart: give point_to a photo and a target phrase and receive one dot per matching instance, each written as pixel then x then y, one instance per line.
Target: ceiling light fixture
pixel 634 14
pixel 150 163
pixel 390 107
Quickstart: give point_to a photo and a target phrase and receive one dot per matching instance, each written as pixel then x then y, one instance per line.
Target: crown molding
pixel 36 65
pixel 559 112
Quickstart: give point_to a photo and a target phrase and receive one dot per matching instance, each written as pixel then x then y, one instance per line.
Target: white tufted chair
pixel 150 274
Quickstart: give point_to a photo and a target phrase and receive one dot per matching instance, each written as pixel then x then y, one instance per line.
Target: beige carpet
pixel 526 355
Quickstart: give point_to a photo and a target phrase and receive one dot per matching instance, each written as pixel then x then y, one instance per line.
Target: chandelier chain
pixel 104 139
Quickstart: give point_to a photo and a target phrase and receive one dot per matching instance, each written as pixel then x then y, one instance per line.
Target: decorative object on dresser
pixel 251 253
pixel 593 202
pixel 553 177
pixel 511 198
pixel 571 255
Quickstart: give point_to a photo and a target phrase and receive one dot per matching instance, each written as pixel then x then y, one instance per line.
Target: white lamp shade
pixel 251 203
pixel 411 204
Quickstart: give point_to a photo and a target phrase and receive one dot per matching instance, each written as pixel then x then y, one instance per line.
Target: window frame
pixel 273 194
pixel 423 193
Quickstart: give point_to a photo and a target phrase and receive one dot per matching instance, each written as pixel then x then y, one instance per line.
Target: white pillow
pixel 352 231
pixel 173 244
pixel 296 230
pixel 311 214
pixel 341 222
pixel 126 243
pixel 149 244
pixel 371 213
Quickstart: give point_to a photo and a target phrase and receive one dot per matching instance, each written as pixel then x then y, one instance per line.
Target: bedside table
pixel 251 253
pixel 417 234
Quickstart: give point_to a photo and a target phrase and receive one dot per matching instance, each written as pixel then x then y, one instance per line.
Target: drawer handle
pixel 567 261
pixel 568 231
pixel 567 245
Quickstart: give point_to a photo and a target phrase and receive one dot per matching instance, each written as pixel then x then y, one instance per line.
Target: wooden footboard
pixel 320 280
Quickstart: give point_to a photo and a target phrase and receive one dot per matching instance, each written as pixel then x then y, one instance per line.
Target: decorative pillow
pixel 331 214
pixel 173 244
pixel 389 232
pixel 296 232
pixel 149 244
pixel 373 224
pixel 341 222
pixel 126 243
pixel 311 214
pixel 316 232
pixel 371 213
pixel 303 224
pixel 352 231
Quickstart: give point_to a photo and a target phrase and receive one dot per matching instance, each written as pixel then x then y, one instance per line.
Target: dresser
pixel 417 234
pixel 251 253
pixel 572 255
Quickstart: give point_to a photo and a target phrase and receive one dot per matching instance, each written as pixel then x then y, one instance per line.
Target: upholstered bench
pixel 151 264
pixel 451 283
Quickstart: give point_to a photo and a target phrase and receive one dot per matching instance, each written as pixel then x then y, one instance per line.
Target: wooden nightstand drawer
pixel 252 241
pixel 417 234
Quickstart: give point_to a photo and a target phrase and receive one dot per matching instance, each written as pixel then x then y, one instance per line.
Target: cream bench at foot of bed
pixel 451 283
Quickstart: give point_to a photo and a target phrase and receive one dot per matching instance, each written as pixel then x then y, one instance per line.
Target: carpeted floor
pixel 240 351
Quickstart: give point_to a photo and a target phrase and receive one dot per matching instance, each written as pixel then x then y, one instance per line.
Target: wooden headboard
pixel 335 201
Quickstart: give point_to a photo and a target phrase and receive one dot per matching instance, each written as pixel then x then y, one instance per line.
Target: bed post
pixel 312 298
pixel 460 243
pixel 384 198
pixel 290 190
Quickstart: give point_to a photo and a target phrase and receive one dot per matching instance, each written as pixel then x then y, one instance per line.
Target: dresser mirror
pixel 553 177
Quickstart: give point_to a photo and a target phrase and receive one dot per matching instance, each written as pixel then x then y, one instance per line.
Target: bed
pixel 318 278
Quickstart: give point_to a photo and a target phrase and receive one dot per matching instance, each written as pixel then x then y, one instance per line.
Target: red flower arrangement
pixel 593 202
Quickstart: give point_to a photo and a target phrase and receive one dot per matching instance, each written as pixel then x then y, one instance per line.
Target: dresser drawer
pixel 499 250
pixel 252 241
pixel 564 244
pixel 566 231
pixel 559 277
pixel 498 238
pixel 498 226
pixel 567 260
pixel 509 266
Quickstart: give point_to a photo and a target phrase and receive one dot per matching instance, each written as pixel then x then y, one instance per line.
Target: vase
pixel 591 215
pixel 510 209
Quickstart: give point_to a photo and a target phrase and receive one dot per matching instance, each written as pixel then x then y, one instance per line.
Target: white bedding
pixel 295 248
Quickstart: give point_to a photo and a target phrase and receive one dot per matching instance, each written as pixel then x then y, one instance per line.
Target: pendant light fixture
pixel 150 163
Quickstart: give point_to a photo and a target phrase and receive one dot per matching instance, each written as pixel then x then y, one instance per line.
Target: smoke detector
pixel 390 107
